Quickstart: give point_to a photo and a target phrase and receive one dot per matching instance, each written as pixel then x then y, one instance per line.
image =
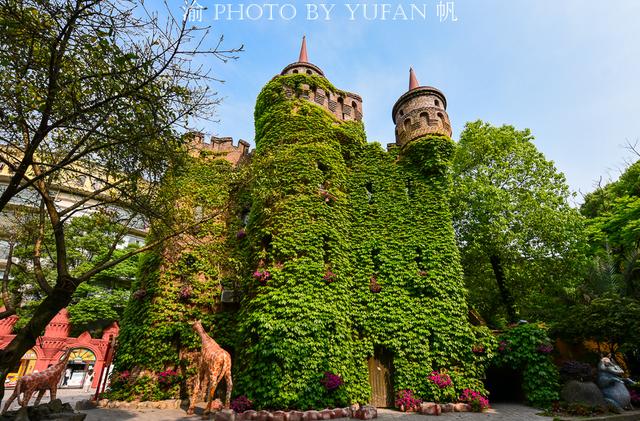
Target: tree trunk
pixel 10 357
pixel 505 294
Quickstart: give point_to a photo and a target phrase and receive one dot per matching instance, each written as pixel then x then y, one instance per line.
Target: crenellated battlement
pixel 422 122
pixel 220 147
pixel 345 106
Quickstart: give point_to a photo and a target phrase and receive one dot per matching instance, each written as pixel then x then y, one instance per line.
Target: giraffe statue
pixel 214 363
pixel 45 380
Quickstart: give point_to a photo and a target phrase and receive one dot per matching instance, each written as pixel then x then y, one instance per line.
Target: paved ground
pixel 65 395
pixel 499 412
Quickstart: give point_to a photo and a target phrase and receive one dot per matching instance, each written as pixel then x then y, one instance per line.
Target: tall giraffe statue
pixel 45 380
pixel 214 364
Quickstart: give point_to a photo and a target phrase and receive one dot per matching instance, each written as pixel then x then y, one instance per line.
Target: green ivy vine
pixel 338 249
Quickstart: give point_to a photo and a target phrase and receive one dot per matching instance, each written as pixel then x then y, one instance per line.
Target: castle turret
pixel 344 105
pixel 421 111
pixel 302 66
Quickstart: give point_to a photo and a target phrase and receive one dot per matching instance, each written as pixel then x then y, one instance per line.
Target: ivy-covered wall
pixel 340 251
pixel 182 280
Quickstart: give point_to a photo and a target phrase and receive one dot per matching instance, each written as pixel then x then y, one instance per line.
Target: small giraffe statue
pixel 45 380
pixel 214 364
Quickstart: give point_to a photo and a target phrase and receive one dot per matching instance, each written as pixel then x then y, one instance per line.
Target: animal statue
pixel 45 380
pixel 612 384
pixel 213 365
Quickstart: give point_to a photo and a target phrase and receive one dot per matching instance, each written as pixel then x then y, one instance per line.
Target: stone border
pixel 364 412
pixel 136 404
pixel 432 408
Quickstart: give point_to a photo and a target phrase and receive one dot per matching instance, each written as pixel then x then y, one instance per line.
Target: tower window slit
pixel 369 189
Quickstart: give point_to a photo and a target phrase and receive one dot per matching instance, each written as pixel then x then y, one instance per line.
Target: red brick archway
pixel 50 347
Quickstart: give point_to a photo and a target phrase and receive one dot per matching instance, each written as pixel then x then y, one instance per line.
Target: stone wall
pixel 221 147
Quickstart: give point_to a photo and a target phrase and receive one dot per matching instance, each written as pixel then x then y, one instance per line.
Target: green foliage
pixel 318 200
pixel 519 350
pixel 610 319
pixel 605 307
pixel 156 322
pixel 96 303
pixel 512 213
pixel 372 227
pixel 143 388
pixel 95 307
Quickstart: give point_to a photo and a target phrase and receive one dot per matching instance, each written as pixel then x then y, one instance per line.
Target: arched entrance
pixel 27 363
pixel 505 385
pixel 81 360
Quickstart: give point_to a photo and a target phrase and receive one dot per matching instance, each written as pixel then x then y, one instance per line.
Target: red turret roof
pixel 303 51
pixel 413 80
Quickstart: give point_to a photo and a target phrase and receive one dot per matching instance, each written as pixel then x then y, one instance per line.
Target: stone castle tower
pixel 341 255
pixel 419 112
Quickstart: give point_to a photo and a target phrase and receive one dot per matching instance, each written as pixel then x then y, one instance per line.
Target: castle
pixel 327 257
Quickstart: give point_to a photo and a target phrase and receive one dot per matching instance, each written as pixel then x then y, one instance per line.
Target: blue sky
pixel 567 69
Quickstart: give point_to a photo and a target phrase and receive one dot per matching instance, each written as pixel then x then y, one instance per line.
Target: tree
pixel 605 306
pixel 515 227
pixel 96 303
pixel 613 222
pixel 94 95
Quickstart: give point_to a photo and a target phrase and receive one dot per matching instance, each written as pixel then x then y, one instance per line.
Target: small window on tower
pixel 437 103
pixel 409 188
pixel 354 105
pixel 401 113
pixel 441 116
pixel 309 72
pixel 407 123
pixel 369 188
pixel 295 71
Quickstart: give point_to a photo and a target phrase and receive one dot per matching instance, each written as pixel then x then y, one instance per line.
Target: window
pixel 309 72
pixel 424 117
pixel 409 188
pixel 369 188
pixel 401 113
pixel 354 105
pixel 4 250
pixel 295 71
pixel 437 103
pixel 407 124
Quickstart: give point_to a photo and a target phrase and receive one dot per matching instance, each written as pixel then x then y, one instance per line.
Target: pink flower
pixel 406 401
pixel 477 401
pixel 262 276
pixel 442 380
pixel 331 381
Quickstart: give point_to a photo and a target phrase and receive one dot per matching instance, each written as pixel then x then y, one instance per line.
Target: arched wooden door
pixel 380 379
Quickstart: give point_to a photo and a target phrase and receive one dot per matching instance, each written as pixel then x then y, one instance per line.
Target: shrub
pixel 144 388
pixel 478 402
pixel 168 378
pixel 331 381
pixel 241 404
pixel 442 380
pixel 519 349
pixel 405 401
